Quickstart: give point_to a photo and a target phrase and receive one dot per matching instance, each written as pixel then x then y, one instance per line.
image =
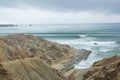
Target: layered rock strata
pixel 29 69
pixel 26 57
pixel 105 69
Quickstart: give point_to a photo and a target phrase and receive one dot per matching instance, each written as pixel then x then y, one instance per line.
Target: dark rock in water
pixel 95 43
pixel 30 24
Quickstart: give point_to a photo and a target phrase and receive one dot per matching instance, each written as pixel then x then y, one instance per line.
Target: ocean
pixel 103 39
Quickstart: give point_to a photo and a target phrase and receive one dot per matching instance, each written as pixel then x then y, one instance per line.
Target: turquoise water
pixel 102 39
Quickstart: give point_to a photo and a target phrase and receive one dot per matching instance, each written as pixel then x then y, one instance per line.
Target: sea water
pixel 103 39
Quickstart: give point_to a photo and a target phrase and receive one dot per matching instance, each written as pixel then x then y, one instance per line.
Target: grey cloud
pixel 67 5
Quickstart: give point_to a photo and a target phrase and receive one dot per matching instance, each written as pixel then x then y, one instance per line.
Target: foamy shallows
pixel 100 48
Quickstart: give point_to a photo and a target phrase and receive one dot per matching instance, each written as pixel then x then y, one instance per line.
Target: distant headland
pixel 8 25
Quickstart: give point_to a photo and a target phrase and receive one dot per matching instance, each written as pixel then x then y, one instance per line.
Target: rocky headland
pixel 26 57
pixel 17 53
pixel 105 69
pixel 7 25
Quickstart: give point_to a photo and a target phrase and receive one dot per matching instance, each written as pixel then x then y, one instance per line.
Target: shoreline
pixel 25 51
pixel 68 53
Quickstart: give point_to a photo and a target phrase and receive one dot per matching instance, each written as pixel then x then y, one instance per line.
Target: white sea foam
pixel 82 36
pixel 89 42
pixel 103 50
pixel 100 49
pixel 87 63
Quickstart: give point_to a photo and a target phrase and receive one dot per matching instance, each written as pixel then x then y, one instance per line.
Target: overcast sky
pixel 59 11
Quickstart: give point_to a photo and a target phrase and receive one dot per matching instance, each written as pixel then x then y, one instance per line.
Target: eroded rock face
pixel 4 74
pixel 105 69
pixel 14 49
pixel 22 46
pixel 106 61
pixel 29 69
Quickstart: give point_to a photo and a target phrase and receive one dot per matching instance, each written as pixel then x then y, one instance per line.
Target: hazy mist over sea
pixel 62 28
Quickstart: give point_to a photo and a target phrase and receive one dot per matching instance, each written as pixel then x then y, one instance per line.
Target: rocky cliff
pixel 22 46
pixel 26 57
pixel 105 69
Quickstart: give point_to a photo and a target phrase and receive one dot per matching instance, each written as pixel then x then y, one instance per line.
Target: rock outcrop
pixel 26 57
pixel 22 46
pixel 81 55
pixel 105 69
pixel 28 69
pixel 78 56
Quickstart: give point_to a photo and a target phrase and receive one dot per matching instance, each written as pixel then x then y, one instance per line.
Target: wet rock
pixel 81 55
